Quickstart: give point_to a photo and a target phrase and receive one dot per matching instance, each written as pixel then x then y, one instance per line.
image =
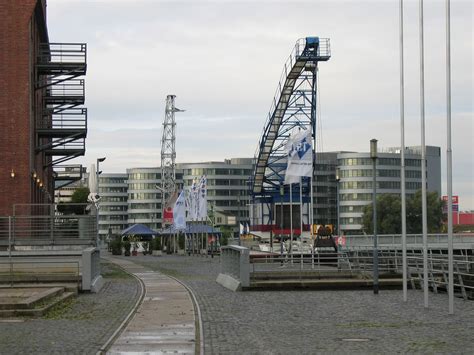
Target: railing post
pixel 244 266
pixel 10 248
pixel 51 224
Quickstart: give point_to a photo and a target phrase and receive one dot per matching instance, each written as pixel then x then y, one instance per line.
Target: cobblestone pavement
pixel 312 322
pixel 81 326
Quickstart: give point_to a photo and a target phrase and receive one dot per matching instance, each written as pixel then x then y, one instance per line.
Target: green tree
pixel 389 214
pixel 434 209
pixel 79 196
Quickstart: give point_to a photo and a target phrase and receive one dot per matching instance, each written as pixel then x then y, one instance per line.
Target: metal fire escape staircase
pixel 61 126
pixel 294 105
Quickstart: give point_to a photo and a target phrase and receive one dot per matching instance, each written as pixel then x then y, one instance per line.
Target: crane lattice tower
pixel 168 152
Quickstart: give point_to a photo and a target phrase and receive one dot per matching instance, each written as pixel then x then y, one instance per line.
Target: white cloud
pixel 223 61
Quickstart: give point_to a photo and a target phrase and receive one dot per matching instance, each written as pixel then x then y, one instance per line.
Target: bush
pixel 156 243
pixel 116 246
pixel 127 246
pixel 181 241
pixel 146 248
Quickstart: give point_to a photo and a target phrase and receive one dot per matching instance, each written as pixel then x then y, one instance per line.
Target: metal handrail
pixel 62 53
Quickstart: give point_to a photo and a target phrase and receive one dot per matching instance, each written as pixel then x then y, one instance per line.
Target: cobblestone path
pixel 318 322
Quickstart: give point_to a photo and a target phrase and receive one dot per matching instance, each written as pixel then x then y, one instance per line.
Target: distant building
pixel 355 185
pixel 227 184
pixel 132 198
pixel 113 211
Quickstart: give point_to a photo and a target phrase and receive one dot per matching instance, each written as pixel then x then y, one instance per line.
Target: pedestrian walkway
pixel 165 320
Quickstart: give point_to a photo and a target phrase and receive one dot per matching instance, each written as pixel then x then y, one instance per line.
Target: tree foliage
pixel 78 198
pixel 389 214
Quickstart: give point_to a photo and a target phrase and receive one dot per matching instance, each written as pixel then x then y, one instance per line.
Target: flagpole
pixel 449 157
pixel 402 160
pixel 301 216
pixel 424 221
pixel 291 222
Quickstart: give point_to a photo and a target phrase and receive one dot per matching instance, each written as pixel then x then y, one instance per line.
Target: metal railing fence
pixel 359 263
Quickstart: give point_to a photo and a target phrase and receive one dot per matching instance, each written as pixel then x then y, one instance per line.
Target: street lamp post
pixel 98 172
pixel 373 156
pixel 338 177
pixel 238 217
pixel 282 192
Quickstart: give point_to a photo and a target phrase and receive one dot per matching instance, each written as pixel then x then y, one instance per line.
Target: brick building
pixel 41 121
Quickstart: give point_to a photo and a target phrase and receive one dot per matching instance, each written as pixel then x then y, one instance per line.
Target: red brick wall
pixel 18 39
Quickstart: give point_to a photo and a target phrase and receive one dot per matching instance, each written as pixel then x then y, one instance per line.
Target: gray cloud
pixel 223 60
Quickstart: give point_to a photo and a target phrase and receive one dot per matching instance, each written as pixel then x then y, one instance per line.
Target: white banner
pixel 300 156
pixel 193 201
pixel 202 211
pixel 179 212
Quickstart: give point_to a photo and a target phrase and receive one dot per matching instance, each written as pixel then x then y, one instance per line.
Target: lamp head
pixel 12 174
pixel 373 148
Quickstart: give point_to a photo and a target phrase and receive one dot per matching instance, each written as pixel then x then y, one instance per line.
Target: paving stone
pixel 318 322
pixel 81 328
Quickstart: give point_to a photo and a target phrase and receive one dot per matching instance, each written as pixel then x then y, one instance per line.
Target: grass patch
pixel 60 310
pixel 359 325
pixel 112 271
pixel 427 345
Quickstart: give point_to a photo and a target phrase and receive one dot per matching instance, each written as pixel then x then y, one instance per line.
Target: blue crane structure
pixel 293 106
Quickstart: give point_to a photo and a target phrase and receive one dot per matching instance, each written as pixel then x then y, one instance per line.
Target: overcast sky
pixel 223 60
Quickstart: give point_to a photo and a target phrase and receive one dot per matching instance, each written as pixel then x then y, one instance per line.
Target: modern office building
pixel 133 197
pixel 324 188
pixel 113 210
pixel 144 196
pixel 356 186
pixel 227 184
pixel 42 123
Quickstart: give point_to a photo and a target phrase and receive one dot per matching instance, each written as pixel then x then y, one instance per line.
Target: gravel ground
pixel 79 326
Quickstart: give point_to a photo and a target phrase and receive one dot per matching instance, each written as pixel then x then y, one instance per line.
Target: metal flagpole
pixel 402 160
pixel 291 222
pixel 423 162
pixel 301 216
pixel 449 157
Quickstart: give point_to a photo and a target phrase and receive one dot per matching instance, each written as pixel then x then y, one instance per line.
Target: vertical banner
pixel 193 201
pixel 300 156
pixel 168 209
pixel 179 212
pixel 202 202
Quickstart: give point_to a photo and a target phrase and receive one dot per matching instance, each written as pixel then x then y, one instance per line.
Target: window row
pixel 144 196
pixel 412 174
pixel 111 190
pixel 144 206
pixel 142 186
pixel 380 161
pixel 198 172
pixel 368 185
pixel 113 208
pixel 109 180
pixel 113 199
pixel 350 220
pixel 221 182
pixel 351 209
